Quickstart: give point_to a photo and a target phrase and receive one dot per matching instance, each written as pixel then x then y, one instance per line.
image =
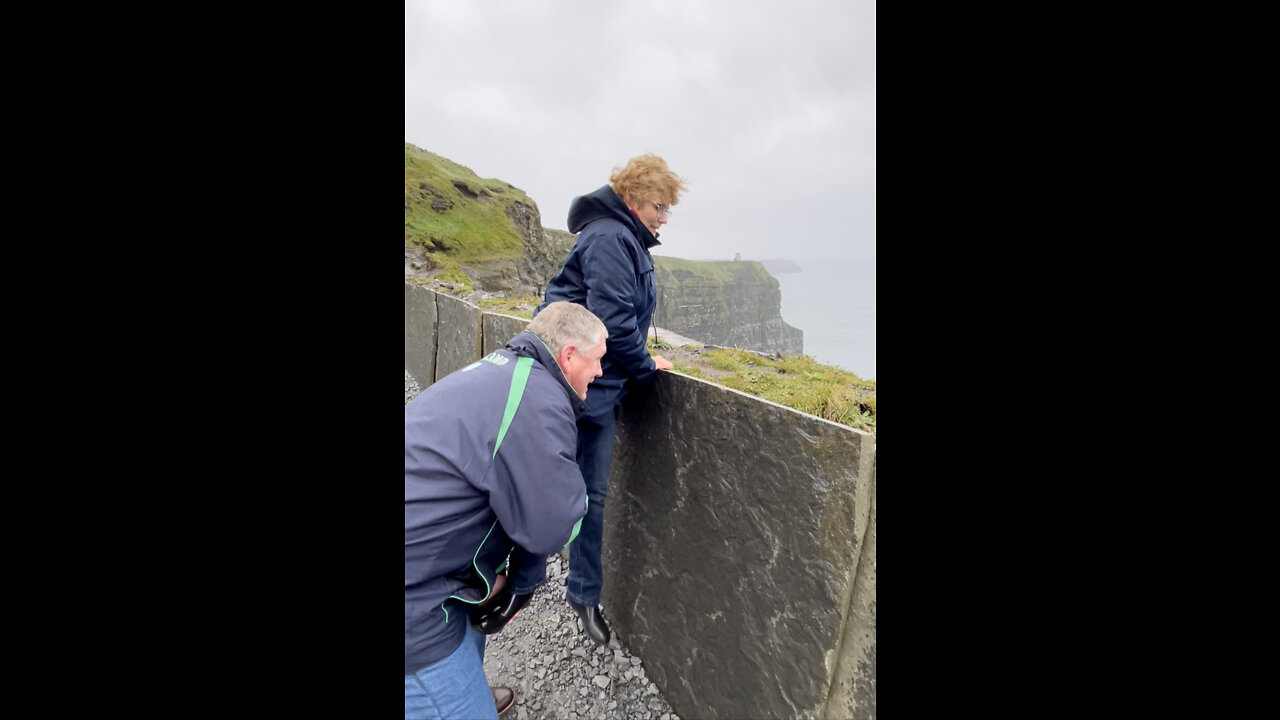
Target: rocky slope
pixel 488 228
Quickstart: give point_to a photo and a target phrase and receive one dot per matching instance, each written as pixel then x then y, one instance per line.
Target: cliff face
pixel 732 304
pixel 544 251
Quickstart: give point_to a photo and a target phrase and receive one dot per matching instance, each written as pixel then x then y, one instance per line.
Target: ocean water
pixel 833 300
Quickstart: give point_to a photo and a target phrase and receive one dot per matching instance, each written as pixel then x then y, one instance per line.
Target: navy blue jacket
pixel 464 509
pixel 610 271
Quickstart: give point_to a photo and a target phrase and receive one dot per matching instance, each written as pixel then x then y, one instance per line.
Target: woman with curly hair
pixel 610 272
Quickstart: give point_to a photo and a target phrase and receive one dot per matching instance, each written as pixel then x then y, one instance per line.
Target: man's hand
pixel 498 583
pixel 662 363
pixel 501 608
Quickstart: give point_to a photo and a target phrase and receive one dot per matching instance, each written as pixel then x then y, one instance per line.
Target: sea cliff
pixel 728 303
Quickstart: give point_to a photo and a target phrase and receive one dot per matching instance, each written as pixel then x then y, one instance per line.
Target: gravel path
pixel 554 669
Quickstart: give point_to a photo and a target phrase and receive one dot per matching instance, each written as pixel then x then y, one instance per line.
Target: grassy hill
pixel 451 211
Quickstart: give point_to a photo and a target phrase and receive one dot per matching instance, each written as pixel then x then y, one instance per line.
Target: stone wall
pixel 739 556
pixel 420 333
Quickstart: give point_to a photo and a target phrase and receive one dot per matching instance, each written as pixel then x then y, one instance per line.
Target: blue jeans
pixel 454 688
pixel 595 457
pixel 596 432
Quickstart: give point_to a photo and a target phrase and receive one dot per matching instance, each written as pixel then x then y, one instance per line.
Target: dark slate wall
pixel 853 695
pixel 733 532
pixel 420 333
pixel 458 333
pixel 498 329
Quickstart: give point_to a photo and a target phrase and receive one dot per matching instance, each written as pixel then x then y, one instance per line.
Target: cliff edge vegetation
pixel 448 209
pixel 476 232
pixel 795 381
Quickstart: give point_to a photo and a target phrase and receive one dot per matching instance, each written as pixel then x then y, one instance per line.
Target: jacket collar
pixel 604 202
pixel 526 344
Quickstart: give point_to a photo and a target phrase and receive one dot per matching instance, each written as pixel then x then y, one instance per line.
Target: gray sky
pixel 767 108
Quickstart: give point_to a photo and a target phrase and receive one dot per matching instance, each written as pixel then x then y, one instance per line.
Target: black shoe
pixel 503 698
pixel 593 622
pixel 503 610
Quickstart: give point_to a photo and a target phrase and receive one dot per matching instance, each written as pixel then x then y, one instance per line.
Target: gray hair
pixel 564 323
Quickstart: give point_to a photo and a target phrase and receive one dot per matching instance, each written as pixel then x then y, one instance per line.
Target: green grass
pixel 452 274
pixel 521 307
pixel 449 209
pixel 798 382
pixel 690 370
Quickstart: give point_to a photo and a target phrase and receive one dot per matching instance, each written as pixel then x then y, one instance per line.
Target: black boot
pixel 501 611
pixel 592 622
pixel 503 698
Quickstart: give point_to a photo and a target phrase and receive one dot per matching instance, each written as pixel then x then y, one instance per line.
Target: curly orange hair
pixel 644 178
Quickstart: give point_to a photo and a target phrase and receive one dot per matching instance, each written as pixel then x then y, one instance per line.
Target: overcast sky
pixel 767 108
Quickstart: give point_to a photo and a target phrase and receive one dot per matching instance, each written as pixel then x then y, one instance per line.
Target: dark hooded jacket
pixel 610 272
pixel 464 507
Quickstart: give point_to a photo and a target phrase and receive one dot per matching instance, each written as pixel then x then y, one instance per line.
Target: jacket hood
pixel 605 203
pixel 526 344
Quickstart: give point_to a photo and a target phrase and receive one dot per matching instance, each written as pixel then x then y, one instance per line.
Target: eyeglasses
pixel 662 209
